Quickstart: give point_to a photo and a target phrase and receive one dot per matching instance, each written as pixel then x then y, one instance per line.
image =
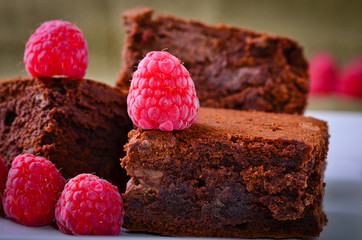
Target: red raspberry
pixel 351 79
pixel 32 190
pixel 323 74
pixel 56 48
pixel 89 206
pixel 3 177
pixel 162 94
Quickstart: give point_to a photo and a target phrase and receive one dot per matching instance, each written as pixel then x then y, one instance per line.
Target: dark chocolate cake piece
pixel 231 67
pixel 79 125
pixel 231 174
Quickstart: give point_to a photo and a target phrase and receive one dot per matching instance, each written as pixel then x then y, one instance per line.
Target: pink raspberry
pixel 89 206
pixel 3 177
pixel 162 94
pixel 57 48
pixel 32 190
pixel 351 79
pixel 323 74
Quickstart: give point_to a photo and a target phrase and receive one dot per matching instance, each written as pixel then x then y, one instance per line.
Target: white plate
pixel 342 202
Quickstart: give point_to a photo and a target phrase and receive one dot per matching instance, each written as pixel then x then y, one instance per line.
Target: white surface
pixel 345 148
pixel 342 203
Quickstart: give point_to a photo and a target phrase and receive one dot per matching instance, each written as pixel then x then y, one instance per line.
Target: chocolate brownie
pixel 231 67
pixel 79 125
pixel 231 174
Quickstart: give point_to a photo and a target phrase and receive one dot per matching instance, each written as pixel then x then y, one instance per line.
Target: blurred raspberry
pixel 32 190
pixel 351 79
pixel 323 74
pixel 89 206
pixel 162 94
pixel 57 48
pixel 3 177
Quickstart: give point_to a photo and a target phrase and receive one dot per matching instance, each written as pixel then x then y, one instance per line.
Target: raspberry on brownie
pixel 231 174
pixel 231 67
pixel 162 94
pixel 57 48
pixel 79 125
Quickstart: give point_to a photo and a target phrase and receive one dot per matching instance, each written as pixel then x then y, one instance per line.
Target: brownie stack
pixel 241 174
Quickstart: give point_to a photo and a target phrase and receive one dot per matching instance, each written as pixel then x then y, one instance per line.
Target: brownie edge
pixel 231 174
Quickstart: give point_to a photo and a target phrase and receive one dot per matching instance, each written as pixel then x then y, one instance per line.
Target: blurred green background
pixel 318 25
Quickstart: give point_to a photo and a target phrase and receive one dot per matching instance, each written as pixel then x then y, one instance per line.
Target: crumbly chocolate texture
pixel 231 67
pixel 79 125
pixel 231 174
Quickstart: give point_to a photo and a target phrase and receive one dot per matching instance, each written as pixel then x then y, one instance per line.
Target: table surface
pixel 342 203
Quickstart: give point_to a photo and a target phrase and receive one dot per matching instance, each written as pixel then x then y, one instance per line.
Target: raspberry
pixel 56 48
pixel 162 94
pixel 3 177
pixel 32 190
pixel 89 206
pixel 323 74
pixel 351 79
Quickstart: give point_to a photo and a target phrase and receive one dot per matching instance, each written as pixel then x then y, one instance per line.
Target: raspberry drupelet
pixel 162 94
pixel 57 48
pixel 32 189
pixel 89 205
